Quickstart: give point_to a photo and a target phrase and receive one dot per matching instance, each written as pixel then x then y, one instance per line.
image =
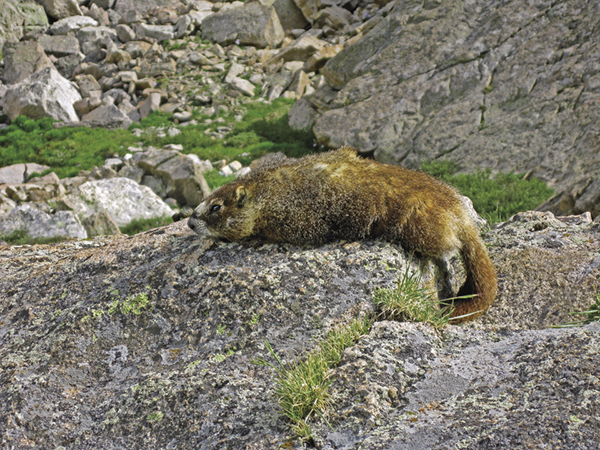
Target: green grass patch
pixel 409 301
pixel 495 198
pixel 303 386
pixel 20 237
pixel 65 150
pixel 139 225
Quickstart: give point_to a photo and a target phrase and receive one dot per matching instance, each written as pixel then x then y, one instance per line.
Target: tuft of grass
pixel 589 316
pixel 303 386
pixel 139 225
pixel 20 237
pixel 495 198
pixel 410 302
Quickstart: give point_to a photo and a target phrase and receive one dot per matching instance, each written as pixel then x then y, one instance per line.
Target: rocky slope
pixel 148 342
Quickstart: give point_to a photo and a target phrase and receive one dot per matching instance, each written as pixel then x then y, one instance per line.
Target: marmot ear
pixel 240 195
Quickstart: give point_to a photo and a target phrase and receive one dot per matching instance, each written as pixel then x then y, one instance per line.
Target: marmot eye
pixel 215 208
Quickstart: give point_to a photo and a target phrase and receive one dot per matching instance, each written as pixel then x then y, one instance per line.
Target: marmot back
pixel 338 195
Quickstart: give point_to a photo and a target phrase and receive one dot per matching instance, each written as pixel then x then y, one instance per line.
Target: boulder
pixel 252 24
pixel 158 32
pixel 18 17
pixel 100 224
pixel 301 49
pixel 183 179
pixel 152 103
pixel 71 24
pixel 6 204
pixel 122 198
pixel 44 94
pixel 108 116
pixel 162 331
pixel 22 59
pixel 60 9
pixel 18 173
pixel 125 7
pixel 302 115
pixel 59 46
pixel 38 224
pixel 423 83
pixel 290 16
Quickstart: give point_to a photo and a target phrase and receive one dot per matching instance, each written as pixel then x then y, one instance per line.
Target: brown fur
pixel 338 195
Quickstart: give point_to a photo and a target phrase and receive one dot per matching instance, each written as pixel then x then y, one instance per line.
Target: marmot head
pixel 226 213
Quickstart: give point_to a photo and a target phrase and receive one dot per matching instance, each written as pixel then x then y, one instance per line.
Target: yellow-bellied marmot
pixel 338 195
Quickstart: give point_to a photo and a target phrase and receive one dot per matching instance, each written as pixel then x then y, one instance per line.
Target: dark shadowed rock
pixel 23 59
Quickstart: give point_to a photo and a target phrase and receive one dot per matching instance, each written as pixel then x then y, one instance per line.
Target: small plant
pixel 591 315
pixel 139 225
pixel 410 302
pixel 221 329
pixel 303 386
pixel 20 237
pixel 495 198
pixel 135 304
pixel 155 417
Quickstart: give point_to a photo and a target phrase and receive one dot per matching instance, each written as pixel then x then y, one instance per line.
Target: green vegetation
pixel 65 150
pixel 138 225
pixel 410 302
pixel 263 129
pixel 497 197
pixel 303 386
pixel 20 237
pixel 589 316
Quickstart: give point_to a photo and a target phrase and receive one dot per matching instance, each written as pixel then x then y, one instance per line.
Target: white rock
pixel 244 86
pixel 122 198
pixel 63 26
pixel 38 224
pixel 44 94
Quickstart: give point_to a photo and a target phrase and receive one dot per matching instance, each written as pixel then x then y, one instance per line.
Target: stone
pixel 158 32
pixel 71 24
pixel 298 86
pixel 125 7
pixel 252 24
pixel 38 224
pixel 6 204
pixel 152 103
pixel 100 224
pixel 125 33
pixel 300 50
pixel 320 57
pixel 22 59
pixel 59 46
pixel 150 159
pixel 485 98
pixel 87 85
pixel 183 180
pixel 99 15
pixel 334 17
pixel 131 172
pixel 104 4
pixel 290 16
pixel 18 173
pixel 243 86
pixel 61 9
pixel 18 17
pixel 108 116
pixel 44 94
pixel 122 198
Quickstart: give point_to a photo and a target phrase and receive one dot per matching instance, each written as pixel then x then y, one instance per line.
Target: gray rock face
pixel 252 24
pixel 23 59
pixel 44 94
pixel 506 88
pixel 19 17
pixel 59 46
pixel 70 24
pixel 18 173
pixel 122 198
pixel 38 224
pixel 205 308
pixel 60 9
